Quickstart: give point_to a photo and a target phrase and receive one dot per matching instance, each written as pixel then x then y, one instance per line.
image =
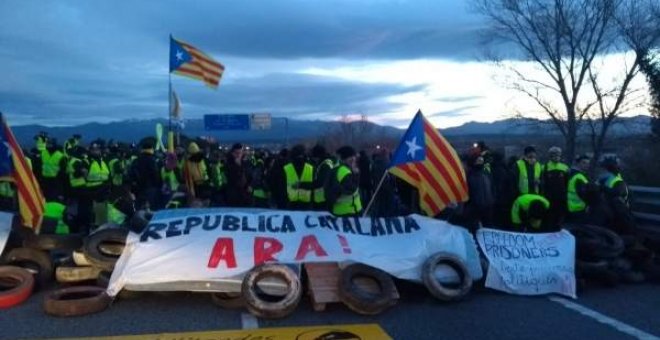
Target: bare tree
pixel 565 39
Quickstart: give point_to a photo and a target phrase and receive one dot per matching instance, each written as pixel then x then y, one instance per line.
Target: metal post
pixel 373 198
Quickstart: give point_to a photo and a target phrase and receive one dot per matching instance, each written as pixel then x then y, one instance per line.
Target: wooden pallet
pixel 323 284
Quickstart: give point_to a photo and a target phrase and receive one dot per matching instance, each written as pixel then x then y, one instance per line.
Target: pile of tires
pixel 77 269
pixel 605 258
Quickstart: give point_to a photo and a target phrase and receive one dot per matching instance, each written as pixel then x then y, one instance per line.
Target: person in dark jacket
pixel 323 165
pixel 366 186
pixel 479 208
pixel 275 182
pixel 145 176
pixel 502 179
pixel 238 184
pixel 555 182
pixel 384 204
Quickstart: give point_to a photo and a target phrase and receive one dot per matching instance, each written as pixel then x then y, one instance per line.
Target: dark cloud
pixel 69 61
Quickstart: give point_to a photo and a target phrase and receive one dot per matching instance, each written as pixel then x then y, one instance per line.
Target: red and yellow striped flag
pixel 188 61
pixel 13 167
pixel 428 162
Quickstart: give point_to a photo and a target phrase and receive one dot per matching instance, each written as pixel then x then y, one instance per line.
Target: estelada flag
pixel 14 168
pixel 428 162
pixel 188 61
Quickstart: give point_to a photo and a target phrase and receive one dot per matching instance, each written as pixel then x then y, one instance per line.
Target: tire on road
pixel 35 261
pixel 439 290
pixel 92 247
pixel 591 269
pixel 266 309
pixel 76 301
pixel 80 259
pixel 76 274
pixel 361 301
pixel 228 300
pixel 53 242
pixel 17 286
pixel 103 280
pixel 594 242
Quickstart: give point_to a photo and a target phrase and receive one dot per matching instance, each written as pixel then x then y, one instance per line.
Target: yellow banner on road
pixel 338 332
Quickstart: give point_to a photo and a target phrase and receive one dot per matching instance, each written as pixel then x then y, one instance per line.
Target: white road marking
pixel 604 319
pixel 248 321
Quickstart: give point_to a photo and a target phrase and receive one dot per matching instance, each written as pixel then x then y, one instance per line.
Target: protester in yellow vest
pixel 53 169
pixel 71 143
pixel 299 180
pixel 529 212
pixel 528 173
pixel 555 183
pixel 98 184
pixel 343 190
pixel 578 191
pixel 54 212
pixel 77 169
pixel 260 190
pixel 8 195
pixel 195 174
pixel 617 197
pixel 323 165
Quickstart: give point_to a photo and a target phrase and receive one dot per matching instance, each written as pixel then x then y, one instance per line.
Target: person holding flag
pixel 429 163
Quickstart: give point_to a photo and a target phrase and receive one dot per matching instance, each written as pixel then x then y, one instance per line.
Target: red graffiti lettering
pixel 265 248
pixel 223 250
pixel 309 244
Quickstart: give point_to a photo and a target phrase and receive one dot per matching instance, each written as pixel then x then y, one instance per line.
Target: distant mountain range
pixel 134 130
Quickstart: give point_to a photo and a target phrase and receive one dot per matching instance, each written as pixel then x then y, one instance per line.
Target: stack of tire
pixel 80 267
pixel 606 258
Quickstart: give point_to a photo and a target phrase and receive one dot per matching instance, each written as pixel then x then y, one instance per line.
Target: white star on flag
pixel 179 55
pixel 412 147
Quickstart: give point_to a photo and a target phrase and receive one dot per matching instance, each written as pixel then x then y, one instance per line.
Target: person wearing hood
pixel 238 181
pixel 299 180
pixel 195 174
pixel 53 166
pixel 344 193
pixel 555 182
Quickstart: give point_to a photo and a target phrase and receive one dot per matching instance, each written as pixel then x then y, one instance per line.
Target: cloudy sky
pixel 69 62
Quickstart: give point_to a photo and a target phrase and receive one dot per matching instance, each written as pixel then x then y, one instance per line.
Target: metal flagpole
pixel 373 198
pixel 169 98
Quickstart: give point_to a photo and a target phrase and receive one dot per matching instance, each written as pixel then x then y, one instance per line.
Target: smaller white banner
pixel 529 264
pixel 5 228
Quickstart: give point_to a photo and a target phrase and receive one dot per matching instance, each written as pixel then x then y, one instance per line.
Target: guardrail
pixel 646 206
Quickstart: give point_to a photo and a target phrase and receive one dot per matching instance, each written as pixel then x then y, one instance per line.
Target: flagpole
pixel 169 99
pixel 373 197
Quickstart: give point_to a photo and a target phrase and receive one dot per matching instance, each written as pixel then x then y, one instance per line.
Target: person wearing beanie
pixel 144 176
pixel 555 182
pixel 343 192
pixel 528 173
pixel 53 166
pixel 323 165
pixel 238 179
pixel 479 208
pixel 578 191
pixel 616 195
pixel 299 180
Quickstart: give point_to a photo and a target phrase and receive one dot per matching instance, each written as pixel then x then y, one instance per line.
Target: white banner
pixel 5 227
pixel 529 264
pixel 209 245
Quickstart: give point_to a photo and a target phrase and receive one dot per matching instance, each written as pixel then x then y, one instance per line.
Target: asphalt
pixel 484 315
